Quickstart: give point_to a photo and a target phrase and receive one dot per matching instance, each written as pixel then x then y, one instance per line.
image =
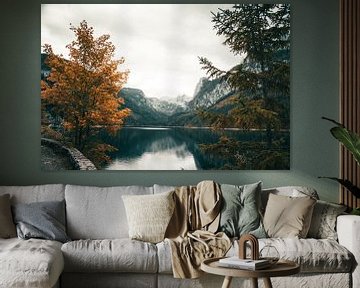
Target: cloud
pixel 160 42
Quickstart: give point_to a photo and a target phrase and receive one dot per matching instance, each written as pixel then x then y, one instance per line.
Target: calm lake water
pixel 172 148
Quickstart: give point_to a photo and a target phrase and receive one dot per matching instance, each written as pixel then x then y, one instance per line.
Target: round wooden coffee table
pixel 281 268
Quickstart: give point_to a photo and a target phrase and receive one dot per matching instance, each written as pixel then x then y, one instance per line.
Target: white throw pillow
pixel 149 215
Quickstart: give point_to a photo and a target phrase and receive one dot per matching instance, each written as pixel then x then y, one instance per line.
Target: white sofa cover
pixel 101 255
pixel 31 263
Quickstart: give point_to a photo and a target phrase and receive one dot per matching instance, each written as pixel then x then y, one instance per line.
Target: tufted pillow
pixel 7 226
pixel 149 215
pixel 240 210
pixel 288 217
pixel 323 222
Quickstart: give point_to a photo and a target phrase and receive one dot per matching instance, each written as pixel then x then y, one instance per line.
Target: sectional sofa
pixel 100 253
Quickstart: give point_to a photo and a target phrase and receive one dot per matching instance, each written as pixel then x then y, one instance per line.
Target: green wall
pixel 314 93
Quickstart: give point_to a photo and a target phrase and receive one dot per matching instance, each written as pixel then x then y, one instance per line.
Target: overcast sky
pixel 160 43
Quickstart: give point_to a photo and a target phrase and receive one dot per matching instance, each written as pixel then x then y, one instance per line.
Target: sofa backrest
pixel 98 212
pixel 162 188
pixel 35 193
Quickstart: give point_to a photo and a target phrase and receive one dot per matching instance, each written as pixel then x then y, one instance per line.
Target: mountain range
pixel 179 111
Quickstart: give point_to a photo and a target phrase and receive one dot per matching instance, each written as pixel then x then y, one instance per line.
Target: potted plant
pixel 351 141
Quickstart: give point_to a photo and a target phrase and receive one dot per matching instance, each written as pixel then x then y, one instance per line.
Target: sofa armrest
pixel 348 230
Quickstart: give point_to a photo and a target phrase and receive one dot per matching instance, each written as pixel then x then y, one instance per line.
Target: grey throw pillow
pixel 240 213
pixel 44 220
pixel 7 226
pixel 323 222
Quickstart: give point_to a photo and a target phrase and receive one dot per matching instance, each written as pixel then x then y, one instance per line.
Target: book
pixel 236 262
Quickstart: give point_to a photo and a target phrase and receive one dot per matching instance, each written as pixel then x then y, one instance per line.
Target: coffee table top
pixel 281 268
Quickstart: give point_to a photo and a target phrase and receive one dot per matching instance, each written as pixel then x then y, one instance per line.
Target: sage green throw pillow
pixel 240 213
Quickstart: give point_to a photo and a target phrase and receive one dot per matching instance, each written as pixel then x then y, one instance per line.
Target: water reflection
pixel 168 148
pixel 178 158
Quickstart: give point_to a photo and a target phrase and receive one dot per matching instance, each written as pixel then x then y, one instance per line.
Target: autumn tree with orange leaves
pixel 83 90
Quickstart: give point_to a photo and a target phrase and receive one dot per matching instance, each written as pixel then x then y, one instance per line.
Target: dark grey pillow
pixel 7 227
pixel 240 213
pixel 44 220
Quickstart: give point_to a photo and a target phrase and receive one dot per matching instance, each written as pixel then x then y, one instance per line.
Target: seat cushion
pixel 313 255
pixel 117 255
pixel 30 263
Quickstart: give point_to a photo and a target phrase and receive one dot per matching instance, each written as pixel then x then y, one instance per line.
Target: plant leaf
pixel 347 184
pixel 349 139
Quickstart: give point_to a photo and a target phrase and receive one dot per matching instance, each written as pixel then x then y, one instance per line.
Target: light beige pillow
pixel 149 215
pixel 288 217
pixel 7 226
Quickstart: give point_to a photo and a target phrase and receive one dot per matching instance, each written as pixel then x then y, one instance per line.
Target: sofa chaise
pixel 101 254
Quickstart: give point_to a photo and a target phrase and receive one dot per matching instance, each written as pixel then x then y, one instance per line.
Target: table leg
pixel 267 283
pixel 227 282
pixel 254 282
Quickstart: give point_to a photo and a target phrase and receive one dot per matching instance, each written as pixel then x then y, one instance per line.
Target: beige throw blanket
pixel 191 231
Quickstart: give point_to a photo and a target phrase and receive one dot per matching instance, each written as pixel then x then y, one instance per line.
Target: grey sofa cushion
pixel 34 193
pixel 98 213
pixel 117 255
pixel 44 220
pixel 162 188
pixel 30 263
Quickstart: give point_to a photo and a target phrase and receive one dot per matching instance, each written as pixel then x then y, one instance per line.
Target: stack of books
pixel 248 264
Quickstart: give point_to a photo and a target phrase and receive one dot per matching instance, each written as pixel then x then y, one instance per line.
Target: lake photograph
pixel 165 87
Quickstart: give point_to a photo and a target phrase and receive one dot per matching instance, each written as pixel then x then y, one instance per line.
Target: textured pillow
pixel 323 222
pixel 44 220
pixel 240 210
pixel 7 226
pixel 149 215
pixel 288 217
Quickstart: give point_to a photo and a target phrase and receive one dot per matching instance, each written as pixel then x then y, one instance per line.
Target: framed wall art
pixel 165 86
